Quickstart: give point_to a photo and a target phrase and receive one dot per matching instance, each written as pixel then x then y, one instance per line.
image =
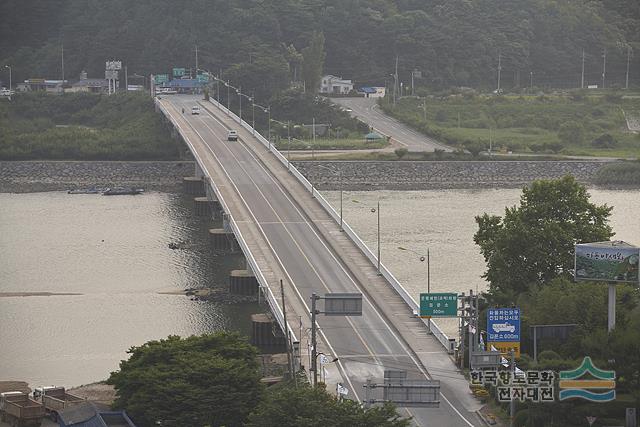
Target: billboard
pixel 503 325
pixel 113 65
pixel 438 305
pixel 607 262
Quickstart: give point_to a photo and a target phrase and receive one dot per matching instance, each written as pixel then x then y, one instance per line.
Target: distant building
pixel 86 84
pixel 49 86
pixel 185 85
pixel 335 85
pixel 372 91
pixel 89 414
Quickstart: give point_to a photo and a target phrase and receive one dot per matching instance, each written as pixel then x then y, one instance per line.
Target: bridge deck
pixel 291 237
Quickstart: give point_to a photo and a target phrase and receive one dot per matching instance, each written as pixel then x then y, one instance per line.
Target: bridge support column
pixel 242 282
pixel 193 185
pixel 222 240
pixel 202 206
pixel 266 334
pixel 199 172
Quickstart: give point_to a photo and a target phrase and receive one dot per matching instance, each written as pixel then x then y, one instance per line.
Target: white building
pixel 335 85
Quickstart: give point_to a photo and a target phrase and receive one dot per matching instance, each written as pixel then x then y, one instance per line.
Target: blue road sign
pixel 503 325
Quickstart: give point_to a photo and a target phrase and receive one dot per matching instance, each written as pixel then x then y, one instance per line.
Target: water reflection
pixel 113 251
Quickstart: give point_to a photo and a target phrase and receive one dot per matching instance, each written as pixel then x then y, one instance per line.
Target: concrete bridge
pixel 290 234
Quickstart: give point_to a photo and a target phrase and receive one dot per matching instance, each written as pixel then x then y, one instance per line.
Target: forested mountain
pixel 258 43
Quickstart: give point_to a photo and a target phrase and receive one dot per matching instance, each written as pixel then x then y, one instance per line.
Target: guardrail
pixel 447 343
pixel 262 281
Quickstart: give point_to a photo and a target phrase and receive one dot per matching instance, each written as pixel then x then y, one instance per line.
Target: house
pixel 372 91
pixel 86 84
pixel 335 85
pixel 50 86
pixel 89 414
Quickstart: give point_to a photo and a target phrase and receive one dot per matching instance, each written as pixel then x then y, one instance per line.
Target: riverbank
pixel 40 176
pixel 433 175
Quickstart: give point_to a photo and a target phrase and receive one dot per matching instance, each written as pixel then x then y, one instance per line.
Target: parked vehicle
pixel 55 400
pixel 232 135
pixel 17 409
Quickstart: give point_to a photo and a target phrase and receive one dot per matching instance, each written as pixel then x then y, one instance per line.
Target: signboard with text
pixel 503 325
pixel 607 262
pixel 178 72
pixel 438 305
pixel 161 78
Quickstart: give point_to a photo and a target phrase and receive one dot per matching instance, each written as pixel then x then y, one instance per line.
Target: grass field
pixel 330 144
pixel 573 124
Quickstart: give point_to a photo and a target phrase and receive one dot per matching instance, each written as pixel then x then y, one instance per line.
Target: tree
pixel 200 380
pixel 534 243
pixel 287 406
pixel 313 62
pixel 401 152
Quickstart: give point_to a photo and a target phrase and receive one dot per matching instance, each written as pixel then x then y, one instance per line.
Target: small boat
pixel 122 191
pixel 90 190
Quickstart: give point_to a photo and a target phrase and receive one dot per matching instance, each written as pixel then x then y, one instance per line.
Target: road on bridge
pixel 367 110
pixel 365 346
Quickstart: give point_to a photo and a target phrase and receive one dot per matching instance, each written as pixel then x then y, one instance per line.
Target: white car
pixel 195 110
pixel 232 135
pixel 504 327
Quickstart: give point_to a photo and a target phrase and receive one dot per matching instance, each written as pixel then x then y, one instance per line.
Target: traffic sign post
pixel 438 305
pixel 503 329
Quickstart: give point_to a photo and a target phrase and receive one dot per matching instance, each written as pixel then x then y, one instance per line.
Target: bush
pixel 571 132
pixel 604 141
pixel 401 152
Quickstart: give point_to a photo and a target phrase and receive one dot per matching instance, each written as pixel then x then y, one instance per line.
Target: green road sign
pixel 204 78
pixel 161 78
pixel 178 72
pixel 439 305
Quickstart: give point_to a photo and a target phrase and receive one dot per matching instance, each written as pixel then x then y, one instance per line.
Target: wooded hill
pixel 258 43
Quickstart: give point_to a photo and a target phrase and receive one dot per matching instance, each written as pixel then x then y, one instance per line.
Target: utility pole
pixel 604 66
pixel 126 79
pixel 314 351
pixel 286 331
pixel 582 81
pixel 196 59
pixel 499 71
pixel 531 81
pixel 62 60
pixel 412 83
pixel 428 277
pixel 395 83
pixel 240 104
pixel 512 404
pixel 626 86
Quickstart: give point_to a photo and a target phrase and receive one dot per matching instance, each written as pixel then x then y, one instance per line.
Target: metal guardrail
pixel 269 296
pixel 406 297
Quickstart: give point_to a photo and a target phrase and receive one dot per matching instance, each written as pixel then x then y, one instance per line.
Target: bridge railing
pixel 446 342
pixel 271 299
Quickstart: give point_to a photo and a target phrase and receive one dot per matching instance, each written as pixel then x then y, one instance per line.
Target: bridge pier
pixel 266 334
pixel 242 282
pixel 202 206
pixel 222 240
pixel 193 185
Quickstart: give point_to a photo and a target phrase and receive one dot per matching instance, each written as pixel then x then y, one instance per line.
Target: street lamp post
pixel 422 258
pixel 240 107
pixel 339 172
pixel 253 117
pixel 228 97
pixel 9 67
pixel 374 210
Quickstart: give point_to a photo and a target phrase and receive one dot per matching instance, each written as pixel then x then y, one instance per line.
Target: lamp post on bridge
pixel 339 172
pixel 10 83
pixel 376 210
pixel 422 258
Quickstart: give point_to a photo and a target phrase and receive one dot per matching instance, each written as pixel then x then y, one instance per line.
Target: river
pixel 113 253
pixel 443 222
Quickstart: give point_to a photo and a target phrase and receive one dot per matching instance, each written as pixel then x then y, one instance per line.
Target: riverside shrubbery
pixel 83 127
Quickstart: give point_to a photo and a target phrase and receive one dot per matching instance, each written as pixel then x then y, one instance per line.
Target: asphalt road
pixel 367 110
pixel 366 345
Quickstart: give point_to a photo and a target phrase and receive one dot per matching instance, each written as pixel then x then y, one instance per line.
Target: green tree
pixel 401 152
pixel 287 406
pixel 196 381
pixel 534 243
pixel 313 62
